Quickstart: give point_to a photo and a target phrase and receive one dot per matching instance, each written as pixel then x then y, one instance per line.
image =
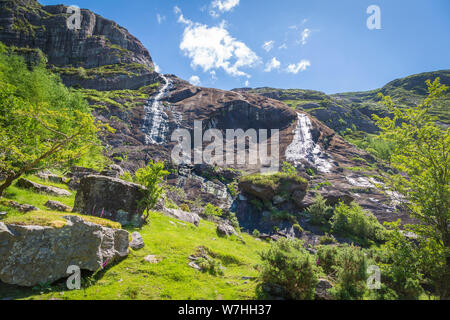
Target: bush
pixel 350 267
pixel 212 211
pixel 298 228
pixel 319 212
pixel 353 221
pixel 288 265
pixel 256 233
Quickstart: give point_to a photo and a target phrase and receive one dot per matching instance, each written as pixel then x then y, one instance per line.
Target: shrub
pixel 351 273
pixel 326 256
pixel 327 239
pixel 152 178
pixel 353 221
pixel 288 265
pixel 289 169
pixel 319 212
pixel 212 211
pixel 256 233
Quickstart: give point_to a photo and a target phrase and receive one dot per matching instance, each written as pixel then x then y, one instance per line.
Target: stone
pixel 37 187
pixel 188 217
pixel 114 171
pixel 152 259
pixel 194 266
pixel 322 290
pixel 3 215
pixel 30 255
pixel 57 206
pixel 110 198
pixel 136 241
pixel 278 200
pixel 225 230
pixel 22 207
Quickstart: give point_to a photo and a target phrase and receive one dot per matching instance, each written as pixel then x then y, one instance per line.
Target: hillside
pixel 355 109
pixel 219 229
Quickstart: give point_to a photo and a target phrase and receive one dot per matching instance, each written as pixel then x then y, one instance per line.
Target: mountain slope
pixel 355 109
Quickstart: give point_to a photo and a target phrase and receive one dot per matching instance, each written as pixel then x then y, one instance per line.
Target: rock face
pixel 27 184
pixel 99 42
pixel 30 255
pixel 110 198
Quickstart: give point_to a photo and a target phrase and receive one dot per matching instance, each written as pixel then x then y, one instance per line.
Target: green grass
pixel 172 278
pixel 134 278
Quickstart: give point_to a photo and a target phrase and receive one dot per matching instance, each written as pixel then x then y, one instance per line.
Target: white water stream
pixel 156 125
pixel 303 147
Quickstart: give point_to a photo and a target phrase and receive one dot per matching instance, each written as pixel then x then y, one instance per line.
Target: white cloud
pixel 195 80
pixel 213 48
pixel 160 18
pixel 177 10
pixel 296 68
pixel 306 33
pixel 157 68
pixel 225 5
pixel 247 83
pixel 283 46
pixel 268 45
pixel 272 64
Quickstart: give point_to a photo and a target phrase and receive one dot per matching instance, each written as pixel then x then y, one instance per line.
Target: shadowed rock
pixel 110 198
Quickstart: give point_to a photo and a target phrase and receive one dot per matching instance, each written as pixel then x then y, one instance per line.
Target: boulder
pixel 188 217
pixel 57 206
pixel 22 207
pixel 225 230
pixel 3 214
pixel 30 255
pixel 110 198
pixel 27 184
pixel 266 188
pixel 136 241
pixel 322 290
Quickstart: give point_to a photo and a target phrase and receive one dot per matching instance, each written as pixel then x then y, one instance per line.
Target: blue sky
pixel 321 45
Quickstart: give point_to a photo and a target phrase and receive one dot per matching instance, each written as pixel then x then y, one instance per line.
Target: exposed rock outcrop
pixel 99 42
pixel 58 206
pixel 188 217
pixel 30 255
pixel 37 187
pixel 110 198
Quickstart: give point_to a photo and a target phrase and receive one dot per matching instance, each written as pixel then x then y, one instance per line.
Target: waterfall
pixel 156 124
pixel 304 148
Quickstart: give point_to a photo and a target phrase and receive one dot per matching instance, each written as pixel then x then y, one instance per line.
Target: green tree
pixel 421 154
pixel 288 265
pixel 152 178
pixel 42 123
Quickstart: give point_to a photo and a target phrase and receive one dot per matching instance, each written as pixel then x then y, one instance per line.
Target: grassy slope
pixel 172 278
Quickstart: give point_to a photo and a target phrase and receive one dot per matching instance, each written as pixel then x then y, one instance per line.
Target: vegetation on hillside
pixel 42 123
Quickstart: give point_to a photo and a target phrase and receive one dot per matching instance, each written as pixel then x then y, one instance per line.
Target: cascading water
pixel 303 147
pixel 156 119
